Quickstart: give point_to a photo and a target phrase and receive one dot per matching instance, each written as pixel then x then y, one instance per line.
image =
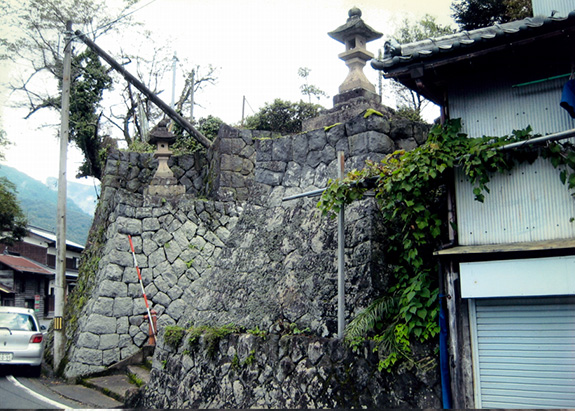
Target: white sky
pixel 257 45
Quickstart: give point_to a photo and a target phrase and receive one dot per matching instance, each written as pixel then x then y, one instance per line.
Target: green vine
pixel 410 190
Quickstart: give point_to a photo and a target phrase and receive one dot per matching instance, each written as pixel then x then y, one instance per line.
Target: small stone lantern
pixel 164 182
pixel 355 34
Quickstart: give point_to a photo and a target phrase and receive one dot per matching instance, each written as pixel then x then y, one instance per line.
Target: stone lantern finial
pixel 164 182
pixel 355 34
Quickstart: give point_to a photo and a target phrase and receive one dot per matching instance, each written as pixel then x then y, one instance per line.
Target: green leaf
pixel 422 313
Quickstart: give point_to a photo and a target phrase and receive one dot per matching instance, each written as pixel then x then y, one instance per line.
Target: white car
pixel 21 338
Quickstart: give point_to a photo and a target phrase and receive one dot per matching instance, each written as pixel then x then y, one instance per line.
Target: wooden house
pixel 27 271
pixel 509 274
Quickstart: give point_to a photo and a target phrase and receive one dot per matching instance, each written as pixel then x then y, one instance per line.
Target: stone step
pixel 116 386
pixel 140 372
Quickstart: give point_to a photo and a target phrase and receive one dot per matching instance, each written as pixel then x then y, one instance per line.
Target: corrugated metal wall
pixel 528 204
pixel 544 7
pixel 490 105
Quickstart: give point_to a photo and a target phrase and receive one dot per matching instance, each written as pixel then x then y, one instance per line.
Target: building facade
pixel 510 275
pixel 27 271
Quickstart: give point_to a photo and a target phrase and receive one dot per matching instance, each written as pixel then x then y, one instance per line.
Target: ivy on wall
pixel 411 192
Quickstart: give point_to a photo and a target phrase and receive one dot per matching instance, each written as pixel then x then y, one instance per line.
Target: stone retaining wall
pixel 284 372
pixel 230 250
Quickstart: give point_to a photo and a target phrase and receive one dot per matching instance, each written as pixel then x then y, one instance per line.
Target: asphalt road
pixel 15 394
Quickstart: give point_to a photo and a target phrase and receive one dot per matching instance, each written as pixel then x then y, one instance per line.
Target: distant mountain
pixel 39 203
pixel 85 196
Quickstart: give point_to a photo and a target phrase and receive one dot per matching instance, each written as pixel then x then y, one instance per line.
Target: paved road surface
pixel 15 395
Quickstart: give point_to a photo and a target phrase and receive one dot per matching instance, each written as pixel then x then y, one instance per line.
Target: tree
pixel 89 80
pixel 12 220
pixel 410 103
pixel 208 126
pixel 282 116
pixel 309 89
pixel 35 43
pixel 474 14
pixel 195 80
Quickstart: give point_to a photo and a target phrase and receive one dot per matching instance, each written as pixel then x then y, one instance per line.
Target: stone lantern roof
pixel 354 26
pixel 161 134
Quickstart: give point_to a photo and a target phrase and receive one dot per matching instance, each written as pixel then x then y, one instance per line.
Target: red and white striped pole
pixel 142 285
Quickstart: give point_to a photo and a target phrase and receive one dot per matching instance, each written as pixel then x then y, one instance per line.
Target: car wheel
pixel 35 371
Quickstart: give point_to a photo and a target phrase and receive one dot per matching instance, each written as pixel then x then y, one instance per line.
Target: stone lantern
pixel 355 34
pixel 164 182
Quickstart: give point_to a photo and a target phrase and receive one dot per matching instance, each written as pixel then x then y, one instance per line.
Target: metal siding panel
pixel 528 204
pixel 518 367
pixel 491 106
pixel 544 7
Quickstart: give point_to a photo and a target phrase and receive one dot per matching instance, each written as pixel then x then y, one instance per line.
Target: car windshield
pixel 17 322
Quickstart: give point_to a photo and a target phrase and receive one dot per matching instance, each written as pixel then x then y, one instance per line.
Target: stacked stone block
pixel 230 250
pixel 282 371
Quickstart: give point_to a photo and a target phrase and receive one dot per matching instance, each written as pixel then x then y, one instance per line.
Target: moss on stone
pixel 327 128
pixel 370 112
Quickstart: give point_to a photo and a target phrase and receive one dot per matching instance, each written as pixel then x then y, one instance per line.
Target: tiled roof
pixel 465 41
pixel 51 236
pixel 22 264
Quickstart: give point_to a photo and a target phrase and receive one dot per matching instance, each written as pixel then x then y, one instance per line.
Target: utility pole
pixel 192 96
pixel 174 61
pixel 60 286
pixel 243 109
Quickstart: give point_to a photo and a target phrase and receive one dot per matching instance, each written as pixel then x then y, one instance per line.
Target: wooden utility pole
pixel 60 286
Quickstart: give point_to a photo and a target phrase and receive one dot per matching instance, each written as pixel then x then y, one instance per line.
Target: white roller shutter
pixel 524 352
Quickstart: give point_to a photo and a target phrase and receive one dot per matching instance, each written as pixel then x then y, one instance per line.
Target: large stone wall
pixel 284 372
pixel 230 250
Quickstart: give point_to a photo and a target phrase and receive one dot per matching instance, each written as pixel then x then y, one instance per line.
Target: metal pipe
pixel 551 137
pixel 170 112
pixel 313 193
pixel 340 257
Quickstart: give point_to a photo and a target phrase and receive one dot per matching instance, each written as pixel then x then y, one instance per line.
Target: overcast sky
pixel 257 46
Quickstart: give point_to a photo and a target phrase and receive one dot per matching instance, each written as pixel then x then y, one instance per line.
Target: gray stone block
pixel 317 140
pixel 113 289
pixel 89 356
pixel 102 305
pixel 88 340
pixel 358 144
pixel 108 341
pixel 380 143
pixel 111 356
pixel 100 324
pixel 282 149
pixel 150 224
pixel 123 306
pixel 131 226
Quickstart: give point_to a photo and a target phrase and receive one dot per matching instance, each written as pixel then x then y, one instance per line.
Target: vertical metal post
pixel 243 109
pixel 60 282
pixel 192 96
pixel 174 60
pixel 340 257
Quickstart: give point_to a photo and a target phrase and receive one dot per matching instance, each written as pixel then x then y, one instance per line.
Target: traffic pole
pixel 152 325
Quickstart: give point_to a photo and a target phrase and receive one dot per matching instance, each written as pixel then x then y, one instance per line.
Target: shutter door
pixel 524 352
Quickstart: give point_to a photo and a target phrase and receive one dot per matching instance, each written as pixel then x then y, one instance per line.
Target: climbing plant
pixel 410 189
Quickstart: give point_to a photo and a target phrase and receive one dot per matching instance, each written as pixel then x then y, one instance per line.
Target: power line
pixel 123 16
